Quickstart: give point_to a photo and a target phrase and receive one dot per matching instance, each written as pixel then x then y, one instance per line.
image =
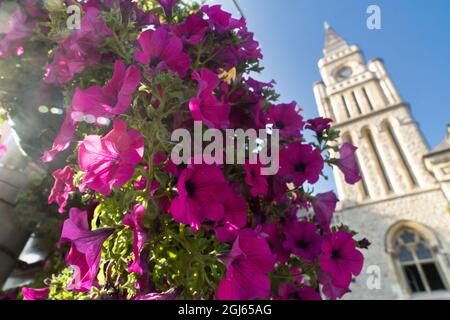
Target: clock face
pixel 345 73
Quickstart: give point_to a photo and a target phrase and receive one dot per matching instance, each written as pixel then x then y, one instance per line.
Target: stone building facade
pixel 402 203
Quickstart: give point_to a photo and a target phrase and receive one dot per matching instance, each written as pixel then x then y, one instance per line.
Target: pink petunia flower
pixel 319 125
pixel 340 258
pixel 220 20
pixel 285 118
pixel 63 140
pixel 109 162
pixel 249 263
pixel 258 183
pixel 202 193
pixel 250 49
pixel 331 290
pixel 163 51
pixel 302 240
pixel 85 251
pixel 300 162
pixel 97 105
pixel 324 205
pixel 258 86
pixel 79 50
pixel 14 33
pixel 35 294
pixel 275 238
pixel 168 6
pixel 206 107
pixel 192 30
pixel 289 291
pixel 117 93
pixel 134 221
pixel 347 163
pixel 62 187
pixel 235 218
pixel 167 164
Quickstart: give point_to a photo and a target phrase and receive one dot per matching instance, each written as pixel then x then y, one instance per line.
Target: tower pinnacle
pixel 333 41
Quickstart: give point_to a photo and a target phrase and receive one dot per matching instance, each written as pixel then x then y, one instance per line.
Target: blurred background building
pixel 402 203
pixel 20 257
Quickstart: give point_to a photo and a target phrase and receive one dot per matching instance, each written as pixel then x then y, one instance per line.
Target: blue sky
pixel 414 43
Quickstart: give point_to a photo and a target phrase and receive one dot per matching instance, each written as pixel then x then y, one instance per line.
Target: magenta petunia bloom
pixel 222 21
pixel 113 99
pixel 235 218
pixel 168 6
pixel 35 294
pixel 117 93
pixel 258 183
pixel 319 125
pixel 347 163
pixel 163 51
pixel 202 193
pixel 97 105
pixel 275 239
pixel 249 263
pixel 109 162
pixel 285 118
pixel 167 164
pixel 134 221
pixel 206 107
pixel 79 50
pixel 289 291
pixel 250 49
pixel 63 140
pixel 69 60
pixel 85 252
pixel 324 205
pixel 86 106
pixel 62 187
pixel 258 86
pixel 192 30
pixel 331 290
pixel 15 32
pixel 300 162
pixel 340 258
pixel 302 240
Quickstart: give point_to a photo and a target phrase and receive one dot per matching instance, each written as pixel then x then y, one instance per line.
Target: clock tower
pixel 398 193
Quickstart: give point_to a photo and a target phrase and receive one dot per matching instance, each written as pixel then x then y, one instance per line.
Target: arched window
pixel 396 147
pixel 417 262
pixel 376 156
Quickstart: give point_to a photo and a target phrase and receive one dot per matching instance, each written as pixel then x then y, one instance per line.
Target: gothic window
pixel 366 95
pixel 417 262
pixel 345 104
pixel 399 150
pixel 355 100
pixel 373 149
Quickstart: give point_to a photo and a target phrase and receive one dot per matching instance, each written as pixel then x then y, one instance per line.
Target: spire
pixel 333 41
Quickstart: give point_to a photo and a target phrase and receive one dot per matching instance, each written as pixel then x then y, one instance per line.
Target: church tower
pixel 399 196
